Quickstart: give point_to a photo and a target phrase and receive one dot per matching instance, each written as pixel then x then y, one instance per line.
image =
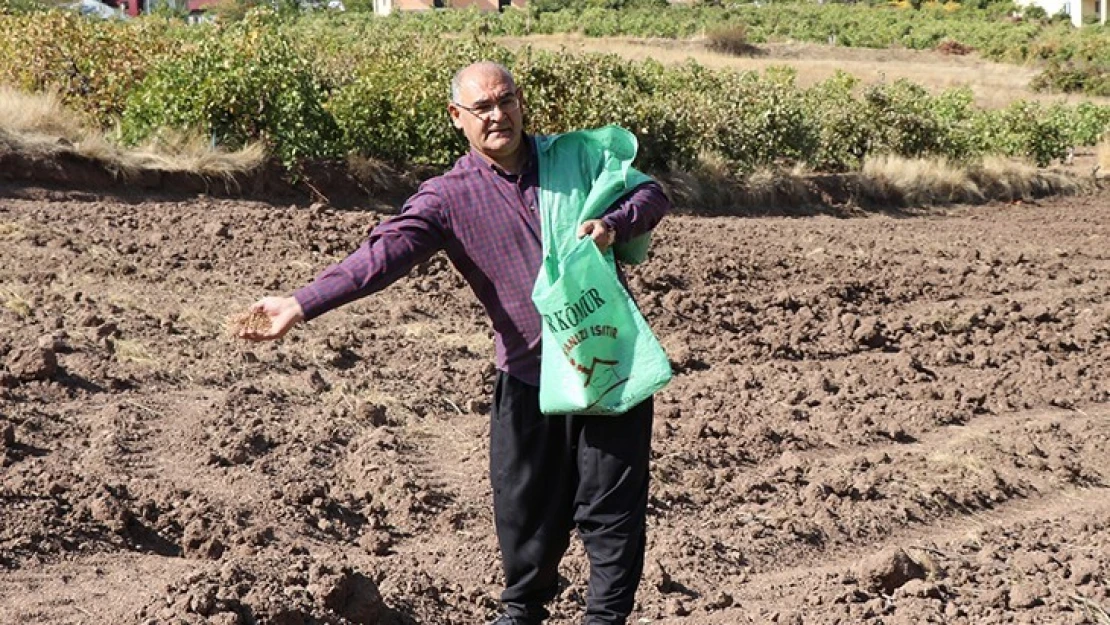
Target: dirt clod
pixel 889 571
pixel 7 434
pixel 1028 594
pixel 350 595
pixel 32 363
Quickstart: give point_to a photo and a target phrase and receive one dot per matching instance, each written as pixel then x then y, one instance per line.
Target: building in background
pixel 134 8
pixel 385 7
pixel 1077 10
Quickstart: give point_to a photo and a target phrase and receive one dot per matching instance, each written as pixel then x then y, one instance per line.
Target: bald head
pixel 486 105
pixel 479 72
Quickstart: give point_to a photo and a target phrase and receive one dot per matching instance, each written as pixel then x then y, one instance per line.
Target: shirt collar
pixel 531 165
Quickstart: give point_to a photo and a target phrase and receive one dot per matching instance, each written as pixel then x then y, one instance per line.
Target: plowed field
pixel 892 418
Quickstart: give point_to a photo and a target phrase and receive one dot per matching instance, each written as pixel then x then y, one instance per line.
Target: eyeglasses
pixel 484 111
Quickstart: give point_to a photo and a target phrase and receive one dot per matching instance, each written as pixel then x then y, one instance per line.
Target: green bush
pixel 92 64
pixel 1034 12
pixel 1085 123
pixel 843 127
pixel 1073 77
pixel 241 83
pixel 755 120
pixel 567 92
pixel 1024 129
pixel 395 109
pixel 21 7
pixel 904 121
pixel 956 112
pixel 389 93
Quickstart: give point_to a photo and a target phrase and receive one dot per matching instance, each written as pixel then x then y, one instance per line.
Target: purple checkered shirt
pixel 486 220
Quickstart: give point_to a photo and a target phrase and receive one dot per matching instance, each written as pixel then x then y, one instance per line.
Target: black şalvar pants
pixel 551 474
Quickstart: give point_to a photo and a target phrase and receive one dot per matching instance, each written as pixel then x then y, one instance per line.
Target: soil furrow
pixel 933 381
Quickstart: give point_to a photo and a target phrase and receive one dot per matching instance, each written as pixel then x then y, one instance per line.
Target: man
pixel 550 474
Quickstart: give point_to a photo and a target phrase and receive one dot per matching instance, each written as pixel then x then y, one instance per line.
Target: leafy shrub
pixel 565 92
pixel 1073 78
pixel 1034 12
pixel 843 127
pixel 903 120
pixel 395 108
pixel 956 112
pixel 238 84
pixel 1024 129
pixel 1086 123
pixel 93 64
pixel 21 7
pixel 756 121
pixel 389 92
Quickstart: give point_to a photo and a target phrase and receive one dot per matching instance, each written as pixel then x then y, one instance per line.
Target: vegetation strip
pixel 334 87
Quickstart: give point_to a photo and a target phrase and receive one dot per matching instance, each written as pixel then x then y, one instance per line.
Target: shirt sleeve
pixel 637 212
pixel 391 251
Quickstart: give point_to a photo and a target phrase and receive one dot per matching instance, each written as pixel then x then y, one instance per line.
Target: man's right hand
pixel 284 313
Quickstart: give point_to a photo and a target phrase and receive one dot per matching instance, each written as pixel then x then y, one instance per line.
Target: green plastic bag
pixel 599 354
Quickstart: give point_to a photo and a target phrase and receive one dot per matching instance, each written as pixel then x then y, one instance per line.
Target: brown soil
pixel 882 419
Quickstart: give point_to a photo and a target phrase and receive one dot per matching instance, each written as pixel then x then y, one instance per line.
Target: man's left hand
pixel 597 230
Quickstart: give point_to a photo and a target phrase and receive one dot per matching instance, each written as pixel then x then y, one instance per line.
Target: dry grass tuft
pixel 33 144
pixel 250 320
pixel 710 187
pixel 773 187
pixel 932 181
pixel 15 302
pixel 732 39
pixel 918 181
pixel 131 351
pixel 191 153
pixel 37 115
pixel 40 125
pixel 376 176
pixel 885 181
pixel 1093 610
pixel 1006 179
pixel 1009 179
pixel 1103 155
pixel 713 187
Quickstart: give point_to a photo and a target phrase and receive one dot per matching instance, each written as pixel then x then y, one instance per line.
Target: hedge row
pixel 1079 59
pixel 323 87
